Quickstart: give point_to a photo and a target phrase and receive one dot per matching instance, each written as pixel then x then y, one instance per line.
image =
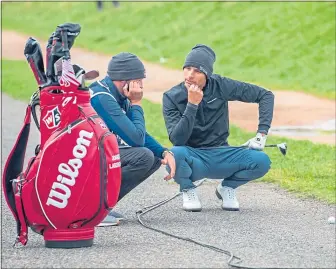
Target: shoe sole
pixel 107 224
pixel 225 208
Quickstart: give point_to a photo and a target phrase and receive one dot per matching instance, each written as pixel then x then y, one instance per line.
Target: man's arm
pixel 154 146
pixel 167 158
pixel 249 93
pixel 133 131
pixel 179 127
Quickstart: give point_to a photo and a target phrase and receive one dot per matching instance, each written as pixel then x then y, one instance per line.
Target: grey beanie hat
pixel 125 66
pixel 201 57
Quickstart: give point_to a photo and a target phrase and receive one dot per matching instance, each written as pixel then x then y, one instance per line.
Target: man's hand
pixel 170 161
pixel 133 91
pixel 195 94
pixel 257 143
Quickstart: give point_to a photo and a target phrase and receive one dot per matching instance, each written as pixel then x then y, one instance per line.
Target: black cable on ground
pixel 147 209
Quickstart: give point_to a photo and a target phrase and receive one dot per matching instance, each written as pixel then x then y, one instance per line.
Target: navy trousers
pixel 137 164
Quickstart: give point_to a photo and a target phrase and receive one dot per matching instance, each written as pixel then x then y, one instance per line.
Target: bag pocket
pixel 110 168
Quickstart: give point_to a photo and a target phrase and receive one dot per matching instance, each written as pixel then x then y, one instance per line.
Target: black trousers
pixel 137 164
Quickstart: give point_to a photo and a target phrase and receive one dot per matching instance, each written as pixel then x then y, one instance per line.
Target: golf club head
pixel 83 76
pixel 283 148
pixel 90 75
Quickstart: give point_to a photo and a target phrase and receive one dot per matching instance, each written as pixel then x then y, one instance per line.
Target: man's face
pixel 193 76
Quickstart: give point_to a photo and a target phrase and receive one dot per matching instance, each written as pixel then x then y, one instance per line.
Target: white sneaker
pixel 109 221
pixel 191 201
pixel 117 215
pixel 228 197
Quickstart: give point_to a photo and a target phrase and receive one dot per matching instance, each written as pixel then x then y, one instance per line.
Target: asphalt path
pixel 274 228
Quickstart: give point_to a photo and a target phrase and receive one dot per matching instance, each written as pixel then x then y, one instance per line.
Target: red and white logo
pixel 60 191
pixel 68 78
pixel 53 118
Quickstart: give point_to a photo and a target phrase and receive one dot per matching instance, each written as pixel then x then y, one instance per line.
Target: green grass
pixel 17 79
pixel 281 45
pixel 308 170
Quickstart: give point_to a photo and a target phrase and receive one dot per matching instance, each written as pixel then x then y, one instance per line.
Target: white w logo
pixel 49 119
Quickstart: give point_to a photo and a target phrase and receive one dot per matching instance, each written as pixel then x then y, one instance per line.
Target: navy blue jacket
pixel 127 122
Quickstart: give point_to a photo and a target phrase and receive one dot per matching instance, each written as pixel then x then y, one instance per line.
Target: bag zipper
pixel 104 167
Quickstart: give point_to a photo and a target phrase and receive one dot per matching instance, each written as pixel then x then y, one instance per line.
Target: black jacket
pixel 207 125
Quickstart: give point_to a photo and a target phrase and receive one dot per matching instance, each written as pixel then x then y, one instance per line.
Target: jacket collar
pixel 113 89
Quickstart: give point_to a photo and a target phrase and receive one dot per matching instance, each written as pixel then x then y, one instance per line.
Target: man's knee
pixel 262 162
pixel 183 169
pixel 179 156
pixel 144 158
pixel 180 153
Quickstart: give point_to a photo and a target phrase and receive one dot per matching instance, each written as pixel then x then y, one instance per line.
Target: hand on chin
pixel 187 84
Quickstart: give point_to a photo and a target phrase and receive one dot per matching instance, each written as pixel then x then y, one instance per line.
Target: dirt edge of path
pixel 288 104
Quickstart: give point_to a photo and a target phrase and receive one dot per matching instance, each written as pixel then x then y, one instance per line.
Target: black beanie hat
pixel 125 66
pixel 201 57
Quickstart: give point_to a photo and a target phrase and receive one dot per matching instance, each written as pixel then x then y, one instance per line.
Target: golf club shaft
pixel 271 146
pixel 266 146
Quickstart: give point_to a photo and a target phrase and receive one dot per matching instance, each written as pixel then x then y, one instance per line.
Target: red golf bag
pixel 74 179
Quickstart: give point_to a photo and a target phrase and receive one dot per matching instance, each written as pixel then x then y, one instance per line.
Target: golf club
pixel 51 57
pixel 56 48
pixel 281 146
pixel 34 56
pixel 48 48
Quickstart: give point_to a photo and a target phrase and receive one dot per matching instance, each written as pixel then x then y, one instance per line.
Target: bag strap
pixel 13 169
pixel 22 229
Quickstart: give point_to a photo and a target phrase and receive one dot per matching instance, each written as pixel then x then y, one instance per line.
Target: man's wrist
pixel 165 152
pixel 192 104
pixel 136 103
pixel 262 132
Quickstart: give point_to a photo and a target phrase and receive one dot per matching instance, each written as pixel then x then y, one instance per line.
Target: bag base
pixel 68 238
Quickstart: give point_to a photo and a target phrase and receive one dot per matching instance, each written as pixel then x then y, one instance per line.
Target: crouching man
pixel 197 120
pixel 117 99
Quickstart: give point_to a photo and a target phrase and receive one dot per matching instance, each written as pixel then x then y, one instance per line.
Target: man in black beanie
pixel 197 121
pixel 117 100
